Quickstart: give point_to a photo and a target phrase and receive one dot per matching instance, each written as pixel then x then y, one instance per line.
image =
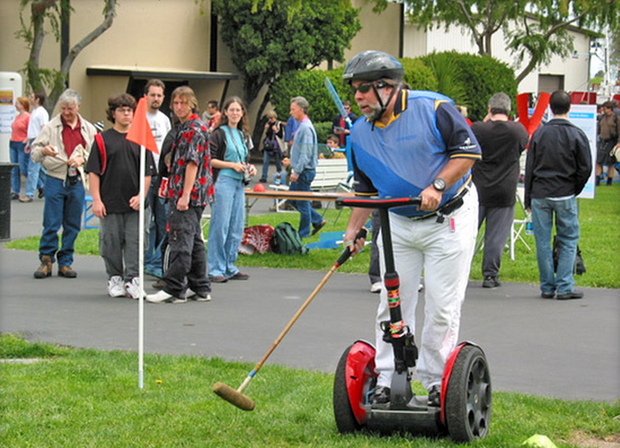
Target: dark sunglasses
pixel 365 87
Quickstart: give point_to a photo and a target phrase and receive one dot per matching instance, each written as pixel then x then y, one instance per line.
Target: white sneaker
pixel 115 286
pixel 376 287
pixel 191 295
pixel 163 297
pixel 132 288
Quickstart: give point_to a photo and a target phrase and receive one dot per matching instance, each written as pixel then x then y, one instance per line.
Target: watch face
pixel 439 184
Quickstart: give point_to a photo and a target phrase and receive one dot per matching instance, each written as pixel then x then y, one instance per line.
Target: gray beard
pixel 374 113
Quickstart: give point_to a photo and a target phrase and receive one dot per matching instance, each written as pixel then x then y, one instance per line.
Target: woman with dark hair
pixel 229 151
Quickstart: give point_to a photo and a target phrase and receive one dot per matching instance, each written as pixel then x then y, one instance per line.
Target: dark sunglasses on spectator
pixel 365 87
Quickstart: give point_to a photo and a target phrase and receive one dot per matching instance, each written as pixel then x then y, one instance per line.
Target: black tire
pixel 345 419
pixel 468 396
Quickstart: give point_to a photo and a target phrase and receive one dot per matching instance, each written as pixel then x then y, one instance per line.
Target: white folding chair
pixel 518 225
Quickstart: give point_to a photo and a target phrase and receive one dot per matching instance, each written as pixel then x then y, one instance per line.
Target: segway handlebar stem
pixel 376 202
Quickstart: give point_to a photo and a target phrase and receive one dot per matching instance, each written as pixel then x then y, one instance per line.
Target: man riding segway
pixel 414 144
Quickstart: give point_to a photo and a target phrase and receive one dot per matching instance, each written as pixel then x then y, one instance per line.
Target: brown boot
pixel 45 270
pixel 67 272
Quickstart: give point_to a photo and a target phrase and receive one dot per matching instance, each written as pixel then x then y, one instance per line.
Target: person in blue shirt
pixel 304 159
pixel 414 143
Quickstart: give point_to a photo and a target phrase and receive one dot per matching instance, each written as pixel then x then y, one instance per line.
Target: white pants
pixel 444 251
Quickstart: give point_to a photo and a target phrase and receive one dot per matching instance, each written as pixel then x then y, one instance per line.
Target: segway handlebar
pixel 376 202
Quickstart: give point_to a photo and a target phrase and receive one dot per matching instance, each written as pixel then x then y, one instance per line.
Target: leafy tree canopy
pixel 268 39
pixel 540 26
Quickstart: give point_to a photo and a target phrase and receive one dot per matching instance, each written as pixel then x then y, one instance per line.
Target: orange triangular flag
pixel 140 132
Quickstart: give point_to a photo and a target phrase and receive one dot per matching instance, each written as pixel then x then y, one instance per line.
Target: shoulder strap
pixel 101 145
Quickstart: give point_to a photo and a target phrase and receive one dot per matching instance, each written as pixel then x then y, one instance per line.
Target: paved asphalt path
pixel 569 350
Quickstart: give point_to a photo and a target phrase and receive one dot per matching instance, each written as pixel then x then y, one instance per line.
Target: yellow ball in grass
pixel 539 441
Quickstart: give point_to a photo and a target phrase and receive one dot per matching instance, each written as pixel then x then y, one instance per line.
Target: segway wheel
pixel 356 372
pixel 468 396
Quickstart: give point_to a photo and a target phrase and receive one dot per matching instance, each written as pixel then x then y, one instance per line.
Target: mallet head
pixel 233 397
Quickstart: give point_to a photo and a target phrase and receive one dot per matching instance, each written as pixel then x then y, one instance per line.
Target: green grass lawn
pixel 599 243
pixel 87 398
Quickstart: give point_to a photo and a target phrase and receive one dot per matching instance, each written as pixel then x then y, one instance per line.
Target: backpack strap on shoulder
pixel 101 145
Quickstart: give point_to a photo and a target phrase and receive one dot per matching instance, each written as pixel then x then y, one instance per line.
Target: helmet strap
pixel 383 106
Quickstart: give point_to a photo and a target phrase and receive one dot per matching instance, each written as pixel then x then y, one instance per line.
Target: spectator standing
pixel 114 174
pixel 160 126
pixel 63 147
pixel 212 115
pixel 229 158
pixel 608 132
pixel 189 190
pixel 502 141
pixel 304 159
pixel 341 127
pixel 271 146
pixel 415 144
pixel 17 145
pixel 289 134
pixel 38 119
pixel 558 166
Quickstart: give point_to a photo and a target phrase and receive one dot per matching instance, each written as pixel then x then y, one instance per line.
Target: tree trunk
pixel 34 73
pixel 527 70
pixel 259 124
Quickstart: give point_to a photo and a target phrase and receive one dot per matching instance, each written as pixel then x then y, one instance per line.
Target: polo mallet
pixel 245 403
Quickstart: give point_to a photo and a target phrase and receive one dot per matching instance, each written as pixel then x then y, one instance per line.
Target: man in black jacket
pixel 558 166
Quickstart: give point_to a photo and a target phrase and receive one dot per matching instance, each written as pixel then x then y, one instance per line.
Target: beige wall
pixel 153 34
pixel 575 71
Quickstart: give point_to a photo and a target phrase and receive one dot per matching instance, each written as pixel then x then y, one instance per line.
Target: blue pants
pixel 36 176
pixel 307 215
pixel 19 157
pixel 157 226
pixel 567 230
pixel 226 226
pixel 63 207
pixel 277 161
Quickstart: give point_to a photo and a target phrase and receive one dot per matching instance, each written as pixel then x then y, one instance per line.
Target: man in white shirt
pixel 160 126
pixel 38 119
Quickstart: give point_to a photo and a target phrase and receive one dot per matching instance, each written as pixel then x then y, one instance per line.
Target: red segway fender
pixel 446 377
pixel 360 366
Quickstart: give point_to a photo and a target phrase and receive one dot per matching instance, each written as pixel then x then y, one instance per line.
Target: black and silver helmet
pixel 371 65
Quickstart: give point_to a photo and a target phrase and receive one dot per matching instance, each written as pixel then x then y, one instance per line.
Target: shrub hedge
pixel 473 79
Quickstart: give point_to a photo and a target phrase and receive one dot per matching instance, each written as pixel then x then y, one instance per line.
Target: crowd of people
pixel 465 174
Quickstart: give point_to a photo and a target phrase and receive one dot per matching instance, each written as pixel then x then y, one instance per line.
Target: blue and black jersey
pixel 402 158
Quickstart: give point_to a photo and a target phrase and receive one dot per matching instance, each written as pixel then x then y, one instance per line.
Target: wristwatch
pixel 439 184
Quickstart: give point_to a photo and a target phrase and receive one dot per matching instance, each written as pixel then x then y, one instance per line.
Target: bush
pixel 323 129
pixel 480 78
pixel 418 75
pixel 468 79
pixel 311 85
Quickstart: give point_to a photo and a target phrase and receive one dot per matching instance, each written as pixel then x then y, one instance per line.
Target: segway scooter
pixel 465 409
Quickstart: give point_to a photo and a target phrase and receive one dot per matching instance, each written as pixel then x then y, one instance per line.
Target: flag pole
pixel 140 133
pixel 141 271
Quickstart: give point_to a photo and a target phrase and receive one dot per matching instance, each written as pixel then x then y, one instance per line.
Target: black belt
pixel 453 204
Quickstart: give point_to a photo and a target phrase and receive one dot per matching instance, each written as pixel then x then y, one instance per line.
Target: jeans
pixel 157 226
pixel 36 176
pixel 21 158
pixel 307 215
pixel 266 158
pixel 226 226
pixel 188 264
pixel 63 207
pixel 567 230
